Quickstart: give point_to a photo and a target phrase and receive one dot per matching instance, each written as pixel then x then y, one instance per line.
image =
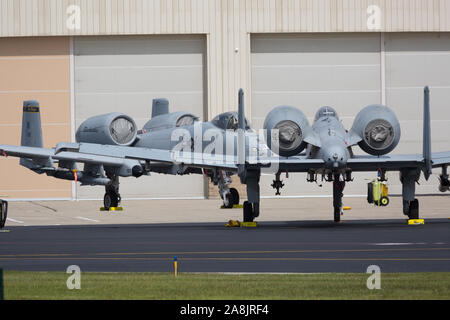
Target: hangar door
pixel 124 74
pixel 309 71
pixel 414 60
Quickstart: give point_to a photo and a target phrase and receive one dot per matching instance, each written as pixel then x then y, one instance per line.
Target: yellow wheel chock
pixel 112 209
pixel 235 206
pixel 415 222
pixel 236 223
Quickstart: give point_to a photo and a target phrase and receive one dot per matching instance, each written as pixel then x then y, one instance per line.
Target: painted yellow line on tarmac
pixel 223 252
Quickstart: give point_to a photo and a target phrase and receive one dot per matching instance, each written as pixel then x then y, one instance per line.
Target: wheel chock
pixel 235 206
pixel 347 208
pixel 233 224
pixel 253 224
pixel 112 209
pixel 416 222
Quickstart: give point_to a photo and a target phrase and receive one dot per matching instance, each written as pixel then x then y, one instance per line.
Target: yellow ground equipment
pixel 377 193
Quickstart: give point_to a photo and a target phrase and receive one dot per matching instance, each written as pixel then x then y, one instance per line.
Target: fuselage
pixel 333 140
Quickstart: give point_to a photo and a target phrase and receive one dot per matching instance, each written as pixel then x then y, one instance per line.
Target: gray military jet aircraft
pixel 110 146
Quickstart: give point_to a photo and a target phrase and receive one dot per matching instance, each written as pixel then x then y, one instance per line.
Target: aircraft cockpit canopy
pixel 326 112
pixel 186 120
pixel 228 121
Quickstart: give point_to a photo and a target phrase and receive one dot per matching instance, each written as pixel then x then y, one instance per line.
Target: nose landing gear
pixel 338 188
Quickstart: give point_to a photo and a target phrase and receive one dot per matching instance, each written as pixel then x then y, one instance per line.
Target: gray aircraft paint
pixel 110 150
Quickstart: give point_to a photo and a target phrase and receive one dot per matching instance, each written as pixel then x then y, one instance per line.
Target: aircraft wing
pixel 440 158
pixel 359 163
pixel 200 160
pixel 26 152
pixel 291 164
pixel 397 162
pixel 113 156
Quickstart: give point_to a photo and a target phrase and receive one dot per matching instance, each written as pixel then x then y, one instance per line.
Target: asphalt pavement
pixel 274 246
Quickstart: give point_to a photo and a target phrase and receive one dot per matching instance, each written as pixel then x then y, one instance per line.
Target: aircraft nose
pixel 335 158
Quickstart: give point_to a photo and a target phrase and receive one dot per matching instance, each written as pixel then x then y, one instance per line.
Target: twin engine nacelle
pixel 286 129
pixel 378 128
pixel 112 129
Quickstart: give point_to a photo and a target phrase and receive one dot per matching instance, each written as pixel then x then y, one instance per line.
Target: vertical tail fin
pixel 160 106
pixel 241 111
pixel 31 131
pixel 241 127
pixel 31 125
pixel 427 134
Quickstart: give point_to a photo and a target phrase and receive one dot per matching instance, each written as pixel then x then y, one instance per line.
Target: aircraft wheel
pixel 3 213
pixel 414 209
pixel 370 192
pixel 111 199
pixel 384 201
pixel 248 212
pixel 234 195
pixel 228 202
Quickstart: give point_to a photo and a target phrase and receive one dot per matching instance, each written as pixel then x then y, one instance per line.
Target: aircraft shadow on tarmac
pixel 296 224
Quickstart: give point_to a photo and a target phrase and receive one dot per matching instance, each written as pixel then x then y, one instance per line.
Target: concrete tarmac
pixel 38 213
pixel 294 235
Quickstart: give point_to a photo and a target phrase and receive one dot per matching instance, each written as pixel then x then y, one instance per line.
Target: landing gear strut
pixel 338 188
pixel 444 182
pixel 251 206
pixel 3 212
pixel 408 178
pixel 112 196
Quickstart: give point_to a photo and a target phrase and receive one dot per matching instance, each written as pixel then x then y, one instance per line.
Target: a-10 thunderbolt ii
pixel 110 146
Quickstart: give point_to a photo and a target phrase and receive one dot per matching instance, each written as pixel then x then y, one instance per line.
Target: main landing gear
pixel 230 196
pixel 251 206
pixel 444 182
pixel 409 178
pixel 112 196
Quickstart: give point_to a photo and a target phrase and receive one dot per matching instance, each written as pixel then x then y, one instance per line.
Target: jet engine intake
pixel 170 120
pixel 378 128
pixel 286 128
pixel 112 129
